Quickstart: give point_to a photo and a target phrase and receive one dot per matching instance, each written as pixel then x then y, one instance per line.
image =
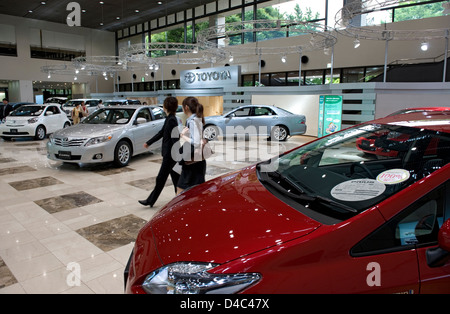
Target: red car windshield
pixel 338 176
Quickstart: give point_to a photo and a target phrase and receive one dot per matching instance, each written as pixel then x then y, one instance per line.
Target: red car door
pixel 433 279
pixel 405 238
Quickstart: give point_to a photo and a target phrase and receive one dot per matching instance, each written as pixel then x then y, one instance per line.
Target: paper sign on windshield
pixel 393 176
pixel 358 190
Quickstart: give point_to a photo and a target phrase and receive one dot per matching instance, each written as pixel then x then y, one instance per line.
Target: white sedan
pixel 33 121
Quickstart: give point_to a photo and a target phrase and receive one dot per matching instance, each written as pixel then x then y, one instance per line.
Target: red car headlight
pixel 193 278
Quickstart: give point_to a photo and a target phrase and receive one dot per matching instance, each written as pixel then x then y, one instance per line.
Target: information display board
pixel 330 114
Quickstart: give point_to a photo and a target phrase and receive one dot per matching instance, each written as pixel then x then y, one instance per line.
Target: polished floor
pixel 70 229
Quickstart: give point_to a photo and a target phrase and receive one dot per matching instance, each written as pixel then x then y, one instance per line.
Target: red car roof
pixel 435 119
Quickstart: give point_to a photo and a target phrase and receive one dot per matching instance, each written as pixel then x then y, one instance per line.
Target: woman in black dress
pixel 170 135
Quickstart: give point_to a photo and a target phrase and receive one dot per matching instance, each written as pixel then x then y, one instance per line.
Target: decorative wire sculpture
pixel 170 53
pixel 320 37
pixel 348 21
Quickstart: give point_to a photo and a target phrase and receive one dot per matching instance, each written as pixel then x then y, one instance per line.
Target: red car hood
pixel 224 219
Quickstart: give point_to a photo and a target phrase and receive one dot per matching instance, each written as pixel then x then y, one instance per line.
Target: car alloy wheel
pixel 210 132
pixel 279 133
pixel 40 133
pixel 122 154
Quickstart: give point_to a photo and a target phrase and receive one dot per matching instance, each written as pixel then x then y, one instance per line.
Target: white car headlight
pixel 99 140
pixel 193 278
pixel 32 120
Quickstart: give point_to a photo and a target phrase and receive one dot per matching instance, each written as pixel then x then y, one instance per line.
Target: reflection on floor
pixel 55 215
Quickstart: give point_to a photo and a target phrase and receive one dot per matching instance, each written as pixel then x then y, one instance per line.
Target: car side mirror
pixel 141 120
pixel 437 257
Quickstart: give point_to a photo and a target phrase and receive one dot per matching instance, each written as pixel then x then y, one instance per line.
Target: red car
pixel 322 218
pixel 370 145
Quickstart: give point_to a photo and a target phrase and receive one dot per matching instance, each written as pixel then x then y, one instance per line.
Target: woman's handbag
pixel 203 152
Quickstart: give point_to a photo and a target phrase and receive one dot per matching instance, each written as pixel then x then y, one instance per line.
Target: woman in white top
pixel 193 166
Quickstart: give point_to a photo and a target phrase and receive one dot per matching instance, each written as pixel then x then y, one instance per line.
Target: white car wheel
pixel 210 132
pixel 122 154
pixel 40 133
pixel 279 133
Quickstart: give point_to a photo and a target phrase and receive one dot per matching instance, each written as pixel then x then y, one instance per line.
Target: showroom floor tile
pixel 70 229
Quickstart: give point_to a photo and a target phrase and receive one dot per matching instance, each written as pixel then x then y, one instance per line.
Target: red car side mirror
pixel 444 236
pixel 437 257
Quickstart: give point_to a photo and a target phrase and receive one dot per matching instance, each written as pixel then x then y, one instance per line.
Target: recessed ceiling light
pixel 30 11
pixel 84 11
pixel 159 2
pixel 137 11
pixel 118 18
pixel 101 2
pixel 43 2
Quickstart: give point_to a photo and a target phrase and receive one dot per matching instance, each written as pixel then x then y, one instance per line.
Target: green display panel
pixel 330 114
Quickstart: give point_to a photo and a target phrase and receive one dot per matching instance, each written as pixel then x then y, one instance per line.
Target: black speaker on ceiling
pixel 263 63
pixel 174 72
pixel 134 76
pixel 305 59
pixel 152 74
pixel 118 77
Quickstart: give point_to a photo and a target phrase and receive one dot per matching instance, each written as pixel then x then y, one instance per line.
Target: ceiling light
pixel 356 43
pixel 137 11
pixel 118 18
pixel 49 76
pixel 283 59
pixel 77 71
pixel 30 11
pixel 43 2
pixel 101 2
pixel 75 78
pixel 101 24
pixel 159 2
pixel 424 46
pixel 231 58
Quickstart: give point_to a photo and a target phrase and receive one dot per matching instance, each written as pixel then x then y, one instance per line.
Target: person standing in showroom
pixel 170 135
pixel 84 109
pixel 76 114
pixel 193 167
pixel 6 109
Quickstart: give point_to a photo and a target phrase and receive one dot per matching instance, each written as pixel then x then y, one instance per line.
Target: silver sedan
pixel 109 134
pixel 270 121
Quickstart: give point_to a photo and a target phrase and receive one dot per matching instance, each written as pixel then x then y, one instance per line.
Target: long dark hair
pixel 195 107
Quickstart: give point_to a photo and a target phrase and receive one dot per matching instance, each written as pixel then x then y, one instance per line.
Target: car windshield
pixel 114 103
pixel 338 176
pixel 73 103
pixel 110 116
pixel 28 111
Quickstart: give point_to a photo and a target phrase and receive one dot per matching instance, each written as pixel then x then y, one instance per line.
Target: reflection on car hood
pixel 88 130
pixel 203 224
